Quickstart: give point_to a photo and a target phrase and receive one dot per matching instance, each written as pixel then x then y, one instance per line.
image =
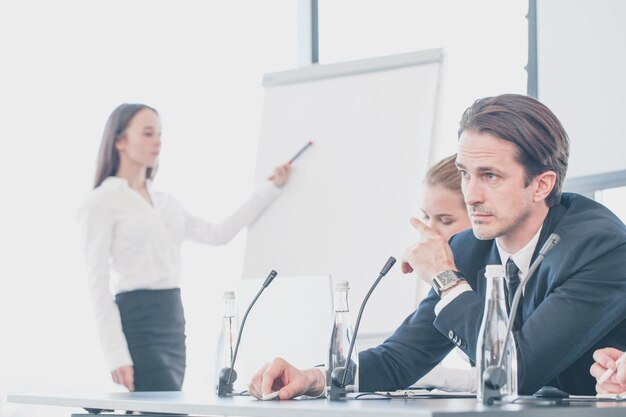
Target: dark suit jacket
pixel 574 304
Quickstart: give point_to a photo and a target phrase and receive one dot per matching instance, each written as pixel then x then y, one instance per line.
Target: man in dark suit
pixel 512 159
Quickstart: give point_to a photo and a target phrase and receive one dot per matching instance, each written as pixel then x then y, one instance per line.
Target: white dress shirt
pixel 521 258
pixel 130 244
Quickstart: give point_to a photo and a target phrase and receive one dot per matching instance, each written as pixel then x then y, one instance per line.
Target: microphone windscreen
pixel 269 278
pixel 552 241
pixel 388 265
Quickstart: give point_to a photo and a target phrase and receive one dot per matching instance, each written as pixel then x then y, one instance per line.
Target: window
pixel 486 43
pixel 614 199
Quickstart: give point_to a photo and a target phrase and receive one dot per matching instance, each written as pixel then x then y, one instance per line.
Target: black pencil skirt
pixel 154 325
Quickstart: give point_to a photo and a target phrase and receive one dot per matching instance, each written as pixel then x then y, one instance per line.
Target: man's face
pixel 492 181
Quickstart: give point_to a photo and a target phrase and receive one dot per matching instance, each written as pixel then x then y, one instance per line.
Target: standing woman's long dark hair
pixel 108 155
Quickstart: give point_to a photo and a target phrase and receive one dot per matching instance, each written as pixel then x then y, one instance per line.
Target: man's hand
pixel 429 257
pixel 607 358
pixel 289 381
pixel 124 375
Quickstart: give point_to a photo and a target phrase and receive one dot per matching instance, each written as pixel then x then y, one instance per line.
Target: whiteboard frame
pixel 360 66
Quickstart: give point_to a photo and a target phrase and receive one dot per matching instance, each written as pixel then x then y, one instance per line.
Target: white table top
pixel 209 404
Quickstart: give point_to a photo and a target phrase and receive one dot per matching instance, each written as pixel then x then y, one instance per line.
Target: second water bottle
pixel 228 336
pixel 491 349
pixel 341 337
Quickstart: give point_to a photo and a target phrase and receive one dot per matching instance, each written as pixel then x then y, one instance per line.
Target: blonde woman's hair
pixel 445 174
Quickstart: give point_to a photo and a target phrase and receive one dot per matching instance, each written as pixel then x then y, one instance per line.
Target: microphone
pixel 228 375
pixel 494 376
pixel 339 375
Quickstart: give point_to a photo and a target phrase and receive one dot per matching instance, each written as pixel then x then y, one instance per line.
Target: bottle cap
pixel 342 286
pixel 494 271
pixel 229 294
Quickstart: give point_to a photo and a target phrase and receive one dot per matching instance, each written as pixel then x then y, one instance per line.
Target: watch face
pixel 446 278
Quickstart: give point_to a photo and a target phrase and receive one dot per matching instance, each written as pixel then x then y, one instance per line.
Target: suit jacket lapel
pixel 555 214
pixel 492 258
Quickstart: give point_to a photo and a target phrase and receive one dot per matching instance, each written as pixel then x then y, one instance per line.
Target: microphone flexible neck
pixel 384 271
pixel 552 241
pixel 267 282
pixel 356 329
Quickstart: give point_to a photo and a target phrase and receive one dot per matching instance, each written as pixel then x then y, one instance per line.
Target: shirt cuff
pixel 268 190
pixel 451 295
pixel 117 358
pixel 323 370
pixel 450 379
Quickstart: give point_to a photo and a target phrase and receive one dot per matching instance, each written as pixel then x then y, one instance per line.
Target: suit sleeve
pixel 582 305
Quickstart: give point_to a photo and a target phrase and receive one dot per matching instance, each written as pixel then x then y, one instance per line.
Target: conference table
pixel 208 404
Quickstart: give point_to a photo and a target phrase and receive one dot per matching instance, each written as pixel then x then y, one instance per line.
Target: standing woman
pixel 132 237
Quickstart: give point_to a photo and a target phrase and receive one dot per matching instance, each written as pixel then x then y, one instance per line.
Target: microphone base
pixel 224 390
pixel 338 390
pixel 493 379
pixel 490 396
pixel 337 393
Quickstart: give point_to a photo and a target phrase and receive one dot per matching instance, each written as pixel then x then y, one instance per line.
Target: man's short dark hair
pixel 541 141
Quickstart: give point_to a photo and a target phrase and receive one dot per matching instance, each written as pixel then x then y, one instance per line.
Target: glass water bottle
pixel 492 334
pixel 341 337
pixel 228 335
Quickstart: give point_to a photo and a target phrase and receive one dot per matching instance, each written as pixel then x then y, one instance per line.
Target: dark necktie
pixel 512 283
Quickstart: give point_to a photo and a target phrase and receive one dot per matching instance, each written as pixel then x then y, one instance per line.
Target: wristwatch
pixel 446 280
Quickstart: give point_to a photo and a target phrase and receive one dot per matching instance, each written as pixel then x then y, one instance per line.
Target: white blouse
pixel 130 244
